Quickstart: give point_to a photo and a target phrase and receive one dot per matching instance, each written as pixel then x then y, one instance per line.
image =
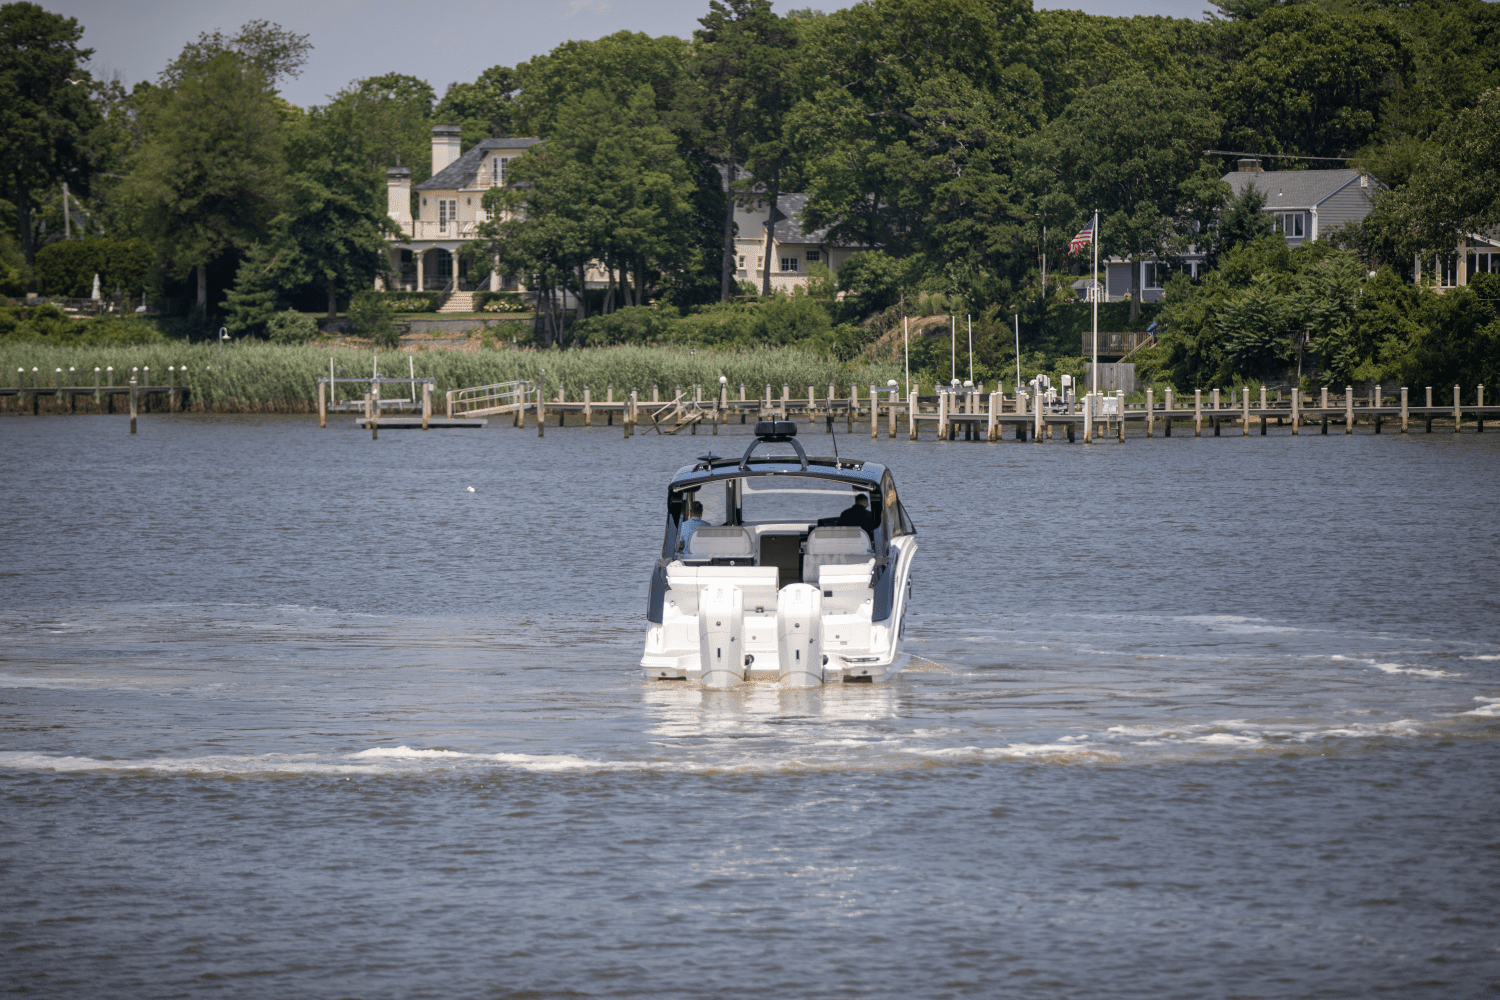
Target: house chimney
pixel 398 193
pixel 1246 166
pixel 444 146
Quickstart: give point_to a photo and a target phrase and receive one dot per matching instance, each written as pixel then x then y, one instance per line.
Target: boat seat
pixel 725 542
pixel 845 586
pixel 756 583
pixel 834 546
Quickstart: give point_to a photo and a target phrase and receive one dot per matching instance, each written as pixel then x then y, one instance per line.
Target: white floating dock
pixel 395 422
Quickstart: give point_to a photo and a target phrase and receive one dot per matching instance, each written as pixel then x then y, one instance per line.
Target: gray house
pixel 1305 203
pixel 1302 203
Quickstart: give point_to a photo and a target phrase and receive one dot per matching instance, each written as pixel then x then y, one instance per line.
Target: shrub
pixel 500 302
pixel 67 268
pixel 291 327
pixel 411 302
pixel 372 315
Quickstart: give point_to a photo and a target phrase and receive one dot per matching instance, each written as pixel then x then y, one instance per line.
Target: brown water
pixel 290 713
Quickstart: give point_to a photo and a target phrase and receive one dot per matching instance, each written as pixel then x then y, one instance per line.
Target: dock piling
pixel 1458 417
pixel 1296 420
pixel 1323 406
pixel 134 403
pixel 1404 414
pixel 426 403
pixel 1348 409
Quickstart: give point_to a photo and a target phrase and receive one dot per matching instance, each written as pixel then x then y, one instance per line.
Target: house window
pixel 1447 269
pixel 447 212
pixel 813 256
pixel 1156 274
pixel 1483 263
pixel 790 264
pixel 1290 225
pixel 742 262
pixel 498 167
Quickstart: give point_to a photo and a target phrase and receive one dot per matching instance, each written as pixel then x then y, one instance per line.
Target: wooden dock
pixel 976 415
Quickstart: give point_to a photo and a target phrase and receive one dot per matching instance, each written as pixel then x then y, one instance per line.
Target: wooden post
pixel 449 411
pixel 1197 413
pixel 1458 418
pixel 1036 413
pixel 767 408
pixel 1245 404
pixel 426 403
pixel 630 411
pixel 1404 414
pixel 911 414
pixel 852 409
pixel 1088 417
pixel 1323 406
pixel 588 407
pixel 1479 415
pixel 322 405
pixel 1429 409
pixel 942 415
pixel 874 410
pixel 1215 395
pixel 1296 420
pixel 541 408
pixel 369 419
pixel 1167 415
pixel 1120 412
pixel 1348 409
pixel 1151 412
pixel 1262 411
pixel 890 414
pixel 134 404
pixel 992 424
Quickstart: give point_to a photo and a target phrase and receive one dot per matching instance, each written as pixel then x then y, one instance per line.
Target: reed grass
pixel 257 377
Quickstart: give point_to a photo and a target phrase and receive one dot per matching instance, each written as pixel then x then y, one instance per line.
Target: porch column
pixel 418 256
pixel 1462 277
pixel 495 275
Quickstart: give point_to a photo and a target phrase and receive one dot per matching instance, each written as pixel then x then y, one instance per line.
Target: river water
pixel 288 712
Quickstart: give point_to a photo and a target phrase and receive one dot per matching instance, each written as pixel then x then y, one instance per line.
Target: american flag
pixel 1084 238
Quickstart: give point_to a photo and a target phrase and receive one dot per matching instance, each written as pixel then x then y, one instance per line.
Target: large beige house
pixel 450 207
pixel 794 246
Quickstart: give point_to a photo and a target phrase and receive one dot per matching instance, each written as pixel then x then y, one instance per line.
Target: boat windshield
pixel 775 498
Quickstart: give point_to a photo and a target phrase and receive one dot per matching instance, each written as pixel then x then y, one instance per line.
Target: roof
pixel 789 228
pixel 1286 189
pixel 851 471
pixel 463 172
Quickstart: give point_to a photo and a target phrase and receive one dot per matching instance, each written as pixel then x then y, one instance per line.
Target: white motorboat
pixel 775 580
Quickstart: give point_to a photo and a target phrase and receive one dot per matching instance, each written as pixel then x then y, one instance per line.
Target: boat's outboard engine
pixel 799 635
pixel 721 647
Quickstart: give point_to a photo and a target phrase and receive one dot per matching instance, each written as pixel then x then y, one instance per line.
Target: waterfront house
pixel 794 245
pixel 449 208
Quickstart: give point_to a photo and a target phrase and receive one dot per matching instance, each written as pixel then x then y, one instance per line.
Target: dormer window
pixel 498 166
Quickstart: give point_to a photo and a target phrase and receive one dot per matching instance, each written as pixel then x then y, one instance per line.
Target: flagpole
pixel 953 347
pixel 970 318
pixel 906 346
pixel 1094 371
pixel 1018 355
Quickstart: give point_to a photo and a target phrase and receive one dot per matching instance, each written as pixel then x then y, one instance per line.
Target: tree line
pixel 962 142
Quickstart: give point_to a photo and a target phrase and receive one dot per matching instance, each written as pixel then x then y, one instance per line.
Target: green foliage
pixel 290 327
pixel 255 376
pixel 372 316
pixel 67 268
pixel 501 302
pixel 1267 305
pixel 208 178
pixel 47 324
pixel 45 120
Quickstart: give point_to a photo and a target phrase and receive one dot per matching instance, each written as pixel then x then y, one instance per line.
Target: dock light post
pixel 223 336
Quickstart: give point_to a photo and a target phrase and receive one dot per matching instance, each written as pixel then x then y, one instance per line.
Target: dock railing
pixel 489 400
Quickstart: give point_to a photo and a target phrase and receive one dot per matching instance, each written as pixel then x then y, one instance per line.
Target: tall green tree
pixel 45 112
pixel 1133 149
pixel 208 179
pixel 742 62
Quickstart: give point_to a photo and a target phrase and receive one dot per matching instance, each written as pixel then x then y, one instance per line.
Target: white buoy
pixel 471 489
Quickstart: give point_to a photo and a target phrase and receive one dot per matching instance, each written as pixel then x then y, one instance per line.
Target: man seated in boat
pixel 692 524
pixel 858 515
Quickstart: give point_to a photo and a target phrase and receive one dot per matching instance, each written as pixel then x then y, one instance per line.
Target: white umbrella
pixel 95 296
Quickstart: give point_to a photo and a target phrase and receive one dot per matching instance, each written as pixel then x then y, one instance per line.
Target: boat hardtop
pixel 762 577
